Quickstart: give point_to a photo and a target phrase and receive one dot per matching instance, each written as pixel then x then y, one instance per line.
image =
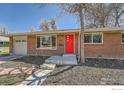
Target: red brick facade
pixel 10 44
pixel 32 50
pixel 111 46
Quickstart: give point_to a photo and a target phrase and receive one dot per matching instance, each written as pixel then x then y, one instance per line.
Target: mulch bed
pixel 92 72
pixel 104 63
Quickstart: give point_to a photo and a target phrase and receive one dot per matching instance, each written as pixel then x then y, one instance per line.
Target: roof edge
pixel 71 31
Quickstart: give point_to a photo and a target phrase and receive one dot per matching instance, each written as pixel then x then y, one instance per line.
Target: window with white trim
pixel 88 38
pixel 122 37
pixel 46 41
pixel 93 38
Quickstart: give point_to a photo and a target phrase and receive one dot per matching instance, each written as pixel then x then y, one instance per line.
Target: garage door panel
pixel 20 46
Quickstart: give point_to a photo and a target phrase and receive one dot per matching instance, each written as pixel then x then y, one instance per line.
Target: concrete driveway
pixel 9 58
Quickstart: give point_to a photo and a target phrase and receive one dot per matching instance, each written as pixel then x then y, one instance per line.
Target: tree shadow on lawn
pixel 62 71
pixel 104 63
pixel 56 73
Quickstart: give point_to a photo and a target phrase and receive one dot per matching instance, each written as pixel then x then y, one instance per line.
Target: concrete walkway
pixel 40 75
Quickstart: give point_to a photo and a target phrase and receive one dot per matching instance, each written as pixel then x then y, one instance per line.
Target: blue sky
pixel 23 17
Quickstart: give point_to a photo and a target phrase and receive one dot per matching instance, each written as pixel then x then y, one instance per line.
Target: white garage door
pixel 20 46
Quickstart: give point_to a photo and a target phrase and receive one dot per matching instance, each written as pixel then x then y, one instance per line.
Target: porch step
pixel 66 59
pixel 54 60
pixel 48 66
pixel 69 59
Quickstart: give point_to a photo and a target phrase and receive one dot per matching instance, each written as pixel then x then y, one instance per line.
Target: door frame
pixel 65 41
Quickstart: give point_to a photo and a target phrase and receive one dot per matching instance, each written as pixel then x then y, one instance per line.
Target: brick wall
pixel 32 50
pixel 111 47
pixel 10 44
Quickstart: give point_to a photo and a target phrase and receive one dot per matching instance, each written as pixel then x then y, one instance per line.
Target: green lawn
pixel 4 51
pixel 11 80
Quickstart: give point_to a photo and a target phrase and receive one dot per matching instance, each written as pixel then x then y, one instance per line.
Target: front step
pixel 48 66
pixel 69 59
pixel 54 60
pixel 66 59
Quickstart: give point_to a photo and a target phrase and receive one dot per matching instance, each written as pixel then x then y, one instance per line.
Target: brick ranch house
pixel 100 42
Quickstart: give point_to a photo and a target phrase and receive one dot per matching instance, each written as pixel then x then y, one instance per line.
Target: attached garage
pixel 20 45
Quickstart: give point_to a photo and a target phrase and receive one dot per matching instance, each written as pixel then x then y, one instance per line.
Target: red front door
pixel 69 44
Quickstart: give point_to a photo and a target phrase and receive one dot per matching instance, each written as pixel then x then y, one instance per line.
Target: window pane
pixel 87 38
pixel 23 40
pixel 122 37
pixel 53 41
pixel 45 41
pixel 97 38
pixel 38 42
pixel 18 40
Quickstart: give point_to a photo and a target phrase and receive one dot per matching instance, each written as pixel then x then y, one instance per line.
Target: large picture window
pixel 46 41
pixel 93 38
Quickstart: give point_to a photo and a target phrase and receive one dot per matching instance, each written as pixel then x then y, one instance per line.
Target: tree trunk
pixel 116 21
pixel 81 16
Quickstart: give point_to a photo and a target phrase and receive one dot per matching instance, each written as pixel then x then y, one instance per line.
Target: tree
pixel 48 25
pixel 44 25
pixel 53 24
pixel 81 15
pixel 3 31
pixel 105 15
pixel 99 14
pixel 117 13
pixel 80 10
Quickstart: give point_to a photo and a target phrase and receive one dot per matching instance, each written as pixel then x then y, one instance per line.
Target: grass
pixel 4 51
pixel 10 80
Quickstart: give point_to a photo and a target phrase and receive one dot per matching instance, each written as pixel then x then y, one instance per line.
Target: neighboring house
pixel 4 41
pixel 100 42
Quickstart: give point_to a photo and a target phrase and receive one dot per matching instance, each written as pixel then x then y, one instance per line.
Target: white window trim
pixel 121 37
pixel 47 48
pixel 92 38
